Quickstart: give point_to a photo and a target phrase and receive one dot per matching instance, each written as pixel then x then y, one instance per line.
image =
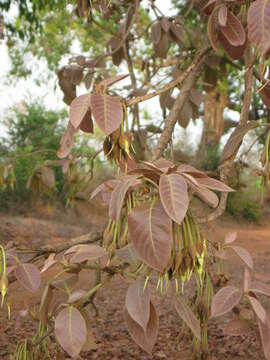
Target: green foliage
pixel 33 135
pixel 241 203
pixel 212 158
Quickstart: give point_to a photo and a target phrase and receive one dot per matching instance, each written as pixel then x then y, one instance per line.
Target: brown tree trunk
pixel 213 127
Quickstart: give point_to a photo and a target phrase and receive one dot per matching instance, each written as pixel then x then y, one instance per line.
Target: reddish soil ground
pixel 112 339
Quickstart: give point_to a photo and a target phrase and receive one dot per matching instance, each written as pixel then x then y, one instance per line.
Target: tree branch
pixel 192 74
pixel 194 65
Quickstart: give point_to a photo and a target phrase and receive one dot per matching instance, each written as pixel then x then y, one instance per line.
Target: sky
pixel 51 95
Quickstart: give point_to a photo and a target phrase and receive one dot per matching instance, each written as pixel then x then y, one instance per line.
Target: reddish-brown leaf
pixel 173 193
pixel 66 142
pixel 87 252
pixel 150 231
pixel 88 79
pixel 87 125
pixel 70 330
pixel 237 327
pixel 29 276
pixel 145 339
pixel 78 110
pixel 156 32
pixel 187 315
pixel 162 47
pixel 177 32
pixel 233 52
pixel 112 80
pixel 224 300
pixel 234 31
pixel 107 111
pixel 138 303
pixel 186 168
pixel 118 195
pixel 222 15
pixel 244 255
pixel 265 95
pixel 236 139
pixel 165 23
pixel 212 31
pixel 259 25
pixel 185 114
pixel 214 184
pixel 259 287
pixel 208 8
pixel 206 195
pixel 258 309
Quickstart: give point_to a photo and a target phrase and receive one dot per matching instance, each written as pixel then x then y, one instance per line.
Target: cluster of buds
pixel 117 147
pixel 188 254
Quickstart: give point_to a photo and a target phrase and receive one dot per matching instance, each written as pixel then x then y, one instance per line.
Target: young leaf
pixel 212 31
pixel 66 142
pixel 70 330
pixel 258 308
pixel 222 15
pixel 165 23
pixel 188 316
pixel 29 276
pixel 107 111
pixel 244 255
pixel 206 195
pixel 259 287
pixel 138 303
pixel 224 300
pixel 208 8
pixel 87 125
pixel 112 80
pixel 259 25
pixel 214 184
pixel 186 168
pixel 233 52
pixel 79 110
pixel 174 196
pixel 118 195
pixel 162 47
pixel 233 30
pixel 86 252
pixel 156 32
pixel 237 327
pixel 145 339
pixel 150 231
